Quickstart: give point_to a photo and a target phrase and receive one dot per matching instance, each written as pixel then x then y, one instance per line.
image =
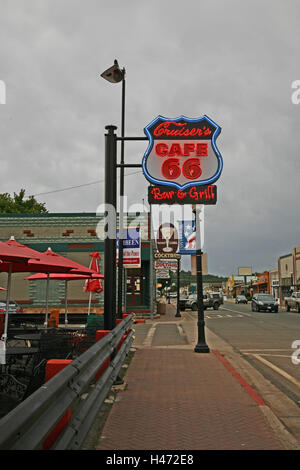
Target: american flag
pixel 187 235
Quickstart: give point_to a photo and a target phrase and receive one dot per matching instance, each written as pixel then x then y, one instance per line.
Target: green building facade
pixel 74 236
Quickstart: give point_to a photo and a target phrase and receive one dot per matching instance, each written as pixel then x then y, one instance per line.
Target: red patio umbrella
pixel 21 258
pixel 16 257
pixel 93 285
pixel 77 269
pixel 12 254
pixel 50 257
pixel 65 277
pixel 13 251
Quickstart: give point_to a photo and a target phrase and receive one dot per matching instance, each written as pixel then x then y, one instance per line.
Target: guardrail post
pixel 118 320
pixel 52 368
pixel 99 335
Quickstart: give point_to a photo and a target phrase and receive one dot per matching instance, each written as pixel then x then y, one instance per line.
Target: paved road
pixel 264 339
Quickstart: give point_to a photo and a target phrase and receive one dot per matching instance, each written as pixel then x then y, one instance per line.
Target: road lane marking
pixel 257 349
pixel 237 311
pixel 271 355
pixel 277 369
pixel 213 315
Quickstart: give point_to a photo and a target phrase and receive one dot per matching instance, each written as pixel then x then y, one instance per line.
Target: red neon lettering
pixel 170 168
pixel 171 128
pixel 181 194
pixel 187 149
pixel 191 168
pixel 175 150
pixel 200 195
pixel 161 149
pixel 179 150
pixel 210 188
pixel 201 150
pixel 158 195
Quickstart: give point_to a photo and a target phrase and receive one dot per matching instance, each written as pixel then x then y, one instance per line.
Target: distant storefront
pixel 262 284
pixel 289 273
pixel 274 282
pixel 235 285
pixel 75 236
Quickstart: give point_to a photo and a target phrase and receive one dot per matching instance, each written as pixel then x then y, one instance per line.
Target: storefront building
pixel 274 283
pixel 262 284
pixel 75 236
pixel 289 273
pixel 235 285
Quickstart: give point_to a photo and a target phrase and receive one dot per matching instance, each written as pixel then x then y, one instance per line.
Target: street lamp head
pixel 114 74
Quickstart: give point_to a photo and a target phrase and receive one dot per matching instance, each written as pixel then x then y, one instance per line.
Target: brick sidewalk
pixel 177 399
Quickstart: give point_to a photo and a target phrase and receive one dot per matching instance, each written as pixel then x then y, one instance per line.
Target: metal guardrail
pixel 28 425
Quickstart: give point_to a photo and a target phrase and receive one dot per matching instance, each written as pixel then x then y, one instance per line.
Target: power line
pixel 79 185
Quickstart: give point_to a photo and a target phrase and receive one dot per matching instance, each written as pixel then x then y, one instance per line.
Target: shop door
pixel 134 288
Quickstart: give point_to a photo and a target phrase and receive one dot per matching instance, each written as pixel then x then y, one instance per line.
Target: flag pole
pixel 90 300
pixel 66 303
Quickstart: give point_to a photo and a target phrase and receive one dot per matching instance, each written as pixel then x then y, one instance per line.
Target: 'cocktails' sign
pixel 182 152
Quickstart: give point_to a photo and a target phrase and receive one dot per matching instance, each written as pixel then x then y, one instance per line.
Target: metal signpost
pixel 115 75
pixel 110 228
pixel 201 346
pixel 182 162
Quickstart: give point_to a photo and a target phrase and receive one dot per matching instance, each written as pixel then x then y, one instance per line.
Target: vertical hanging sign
pixel 131 247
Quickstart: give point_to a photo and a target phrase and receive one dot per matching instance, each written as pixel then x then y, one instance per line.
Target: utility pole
pixel 110 228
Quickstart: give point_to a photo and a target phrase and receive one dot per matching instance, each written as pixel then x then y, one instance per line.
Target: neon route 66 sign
pixel 182 152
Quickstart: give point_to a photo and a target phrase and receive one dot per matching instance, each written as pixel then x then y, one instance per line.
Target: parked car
pixel 266 302
pixel 13 308
pixel 216 299
pixel 240 299
pixel 293 302
pixel 213 300
pixel 184 300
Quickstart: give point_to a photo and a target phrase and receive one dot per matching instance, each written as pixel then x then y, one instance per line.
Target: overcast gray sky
pixel 232 60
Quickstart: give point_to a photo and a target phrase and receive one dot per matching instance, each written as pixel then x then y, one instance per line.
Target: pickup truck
pixel 293 302
pixel 210 300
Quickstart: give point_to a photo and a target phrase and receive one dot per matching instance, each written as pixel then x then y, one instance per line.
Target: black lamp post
pixel 201 346
pixel 178 289
pixel 110 228
pixel 115 75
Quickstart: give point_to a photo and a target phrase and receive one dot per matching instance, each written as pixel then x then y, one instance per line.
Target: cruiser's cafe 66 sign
pixel 182 160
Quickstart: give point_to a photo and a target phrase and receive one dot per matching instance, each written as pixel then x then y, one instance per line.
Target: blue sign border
pixel 193 183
